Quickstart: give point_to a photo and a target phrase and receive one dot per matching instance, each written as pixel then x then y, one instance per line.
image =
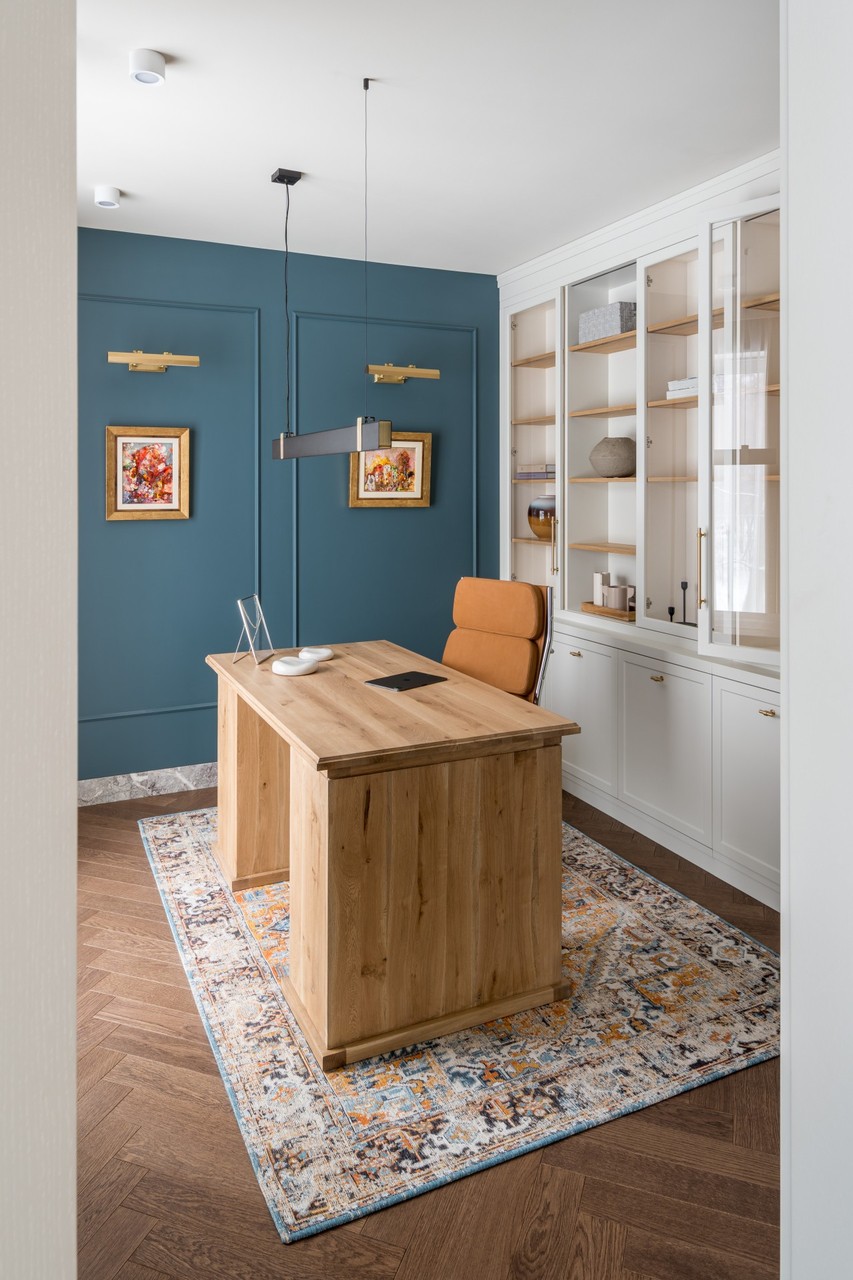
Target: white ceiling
pixel 497 129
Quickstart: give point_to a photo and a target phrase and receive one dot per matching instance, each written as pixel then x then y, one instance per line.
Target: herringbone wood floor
pixel 685 1190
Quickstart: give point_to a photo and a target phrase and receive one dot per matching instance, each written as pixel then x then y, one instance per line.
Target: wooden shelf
pixel 685 326
pixel 671 479
pixel 546 360
pixel 622 615
pixel 602 479
pixel 612 548
pixel 683 402
pixel 692 401
pixel 605 411
pixel 548 421
pixel 764 302
pixel 538 542
pixel 547 480
pixel 607 346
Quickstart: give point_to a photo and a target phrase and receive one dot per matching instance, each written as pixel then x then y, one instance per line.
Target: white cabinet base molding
pixel 670 839
pixel 700 855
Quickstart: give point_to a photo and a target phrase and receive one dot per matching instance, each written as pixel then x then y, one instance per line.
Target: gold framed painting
pixel 148 473
pixel 395 477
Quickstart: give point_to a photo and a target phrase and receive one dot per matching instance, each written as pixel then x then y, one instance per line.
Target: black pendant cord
pixel 366 87
pixel 287 430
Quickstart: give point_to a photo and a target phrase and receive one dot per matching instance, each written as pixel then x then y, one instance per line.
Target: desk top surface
pixel 338 721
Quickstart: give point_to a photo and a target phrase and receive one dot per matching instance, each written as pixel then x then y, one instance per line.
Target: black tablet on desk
pixel 406 680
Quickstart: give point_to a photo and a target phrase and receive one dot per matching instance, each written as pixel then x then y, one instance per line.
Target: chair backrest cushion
pixel 505 608
pixel 497 626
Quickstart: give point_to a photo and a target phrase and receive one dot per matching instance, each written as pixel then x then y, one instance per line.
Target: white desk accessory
pixel 317 654
pixel 294 666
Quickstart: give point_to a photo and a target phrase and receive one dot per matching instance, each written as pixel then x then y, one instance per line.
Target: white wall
pixel 37 654
pixel 37 638
pixel 818 860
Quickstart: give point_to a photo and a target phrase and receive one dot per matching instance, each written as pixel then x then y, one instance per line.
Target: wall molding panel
pixel 148 711
pixel 372 395
pixel 157 596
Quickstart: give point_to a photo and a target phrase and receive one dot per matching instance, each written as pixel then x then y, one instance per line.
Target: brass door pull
pixel 576 653
pixel 762 712
pixel 657 679
pixel 700 599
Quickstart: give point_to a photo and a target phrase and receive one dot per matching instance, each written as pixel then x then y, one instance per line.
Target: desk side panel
pixel 444 890
pixel 254 795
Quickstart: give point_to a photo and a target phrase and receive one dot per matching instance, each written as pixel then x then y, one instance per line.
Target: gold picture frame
pixel 395 477
pixel 148 473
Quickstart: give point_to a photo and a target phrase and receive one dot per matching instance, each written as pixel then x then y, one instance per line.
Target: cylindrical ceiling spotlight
pixel 147 66
pixel 107 197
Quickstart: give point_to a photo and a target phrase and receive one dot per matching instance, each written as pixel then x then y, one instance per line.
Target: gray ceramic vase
pixel 615 456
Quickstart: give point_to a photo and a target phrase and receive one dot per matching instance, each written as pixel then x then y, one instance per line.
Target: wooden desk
pixel 420 832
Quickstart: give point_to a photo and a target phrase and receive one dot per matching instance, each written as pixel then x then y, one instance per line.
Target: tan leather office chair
pixel 502 634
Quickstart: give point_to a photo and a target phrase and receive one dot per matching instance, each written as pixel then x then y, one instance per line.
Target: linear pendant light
pixel 366 433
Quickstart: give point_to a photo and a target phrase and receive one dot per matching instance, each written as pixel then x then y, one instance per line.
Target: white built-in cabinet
pixel 665 743
pixel 684 750
pixel 746 770
pixel 677 699
pixel 584 675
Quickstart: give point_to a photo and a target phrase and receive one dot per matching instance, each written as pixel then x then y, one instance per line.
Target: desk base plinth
pixel 339 1056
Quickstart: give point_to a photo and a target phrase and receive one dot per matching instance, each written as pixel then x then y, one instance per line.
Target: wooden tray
pixel 624 615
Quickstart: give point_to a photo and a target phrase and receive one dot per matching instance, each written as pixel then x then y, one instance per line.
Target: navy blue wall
pixel 156 596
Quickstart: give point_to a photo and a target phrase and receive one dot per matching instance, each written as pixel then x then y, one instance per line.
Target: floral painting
pixel 147 473
pixel 398 476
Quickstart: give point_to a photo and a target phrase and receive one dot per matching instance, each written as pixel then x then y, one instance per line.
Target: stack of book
pixel 682 387
pixel 535 471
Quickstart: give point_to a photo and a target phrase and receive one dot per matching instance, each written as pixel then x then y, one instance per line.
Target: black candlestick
pixel 671 612
pixel 684 602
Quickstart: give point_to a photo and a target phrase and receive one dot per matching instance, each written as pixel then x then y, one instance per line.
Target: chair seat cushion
pixel 508 662
pixel 505 608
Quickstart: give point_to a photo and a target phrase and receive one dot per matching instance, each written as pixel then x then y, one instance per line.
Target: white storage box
pixel 605 322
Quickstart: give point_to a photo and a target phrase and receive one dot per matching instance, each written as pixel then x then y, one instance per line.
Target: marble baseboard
pixel 157 782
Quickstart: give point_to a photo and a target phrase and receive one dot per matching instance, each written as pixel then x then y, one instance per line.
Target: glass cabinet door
pixel 669 405
pixel 738 536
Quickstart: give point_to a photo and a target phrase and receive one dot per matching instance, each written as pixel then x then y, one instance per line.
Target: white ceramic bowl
pixel 294 666
pixel 316 655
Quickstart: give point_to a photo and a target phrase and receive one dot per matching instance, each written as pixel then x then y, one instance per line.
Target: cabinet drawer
pixel 746 769
pixel 665 755
pixel 581 685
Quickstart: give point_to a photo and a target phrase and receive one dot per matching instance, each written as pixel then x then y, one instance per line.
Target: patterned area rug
pixel 665 997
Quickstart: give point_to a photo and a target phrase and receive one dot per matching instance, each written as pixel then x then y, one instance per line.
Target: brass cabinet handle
pixel 700 599
pixel 762 712
pixel 576 653
pixel 657 679
pixel 555 568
